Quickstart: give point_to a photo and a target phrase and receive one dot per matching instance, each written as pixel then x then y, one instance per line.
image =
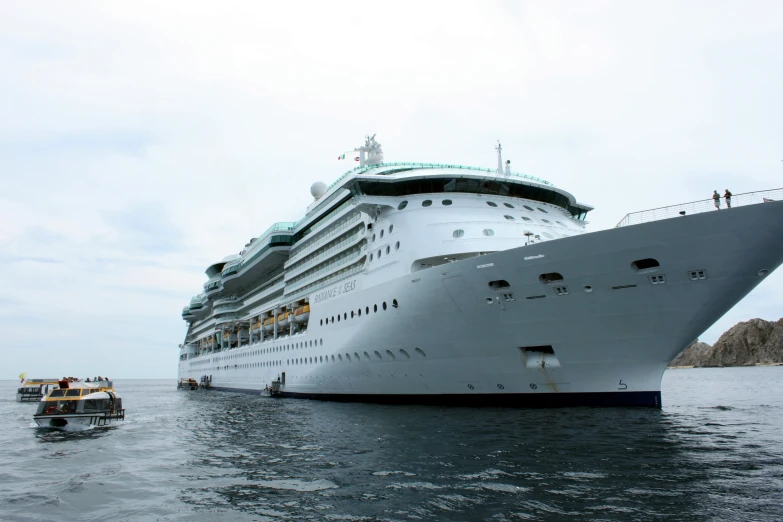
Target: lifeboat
pixel 302 314
pixel 269 324
pixel 256 327
pixel 282 320
pixel 80 404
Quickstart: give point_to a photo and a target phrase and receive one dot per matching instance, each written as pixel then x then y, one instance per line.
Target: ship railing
pixel 324 255
pixel 348 271
pixel 306 245
pixel 361 170
pixel 698 207
pixel 324 270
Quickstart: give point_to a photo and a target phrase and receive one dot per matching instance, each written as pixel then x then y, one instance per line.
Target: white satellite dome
pixel 318 189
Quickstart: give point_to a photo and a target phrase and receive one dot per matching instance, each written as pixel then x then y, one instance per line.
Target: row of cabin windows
pixel 395 304
pixel 388 251
pixel 391 227
pixel 378 356
pixel 489 233
pixel 427 203
pixel 285 347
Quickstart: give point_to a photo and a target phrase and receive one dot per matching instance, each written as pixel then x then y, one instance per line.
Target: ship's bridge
pixel 404 179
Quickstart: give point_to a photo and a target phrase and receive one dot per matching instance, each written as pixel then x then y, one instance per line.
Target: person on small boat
pixel 88 379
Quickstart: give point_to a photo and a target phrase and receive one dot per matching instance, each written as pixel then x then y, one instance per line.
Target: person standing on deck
pixel 716 198
pixel 727 195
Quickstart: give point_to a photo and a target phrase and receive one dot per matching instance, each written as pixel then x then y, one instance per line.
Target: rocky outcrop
pixel 749 343
pixel 692 355
pixel 753 342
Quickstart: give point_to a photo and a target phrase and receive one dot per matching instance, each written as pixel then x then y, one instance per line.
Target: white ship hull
pixel 85 419
pixel 445 343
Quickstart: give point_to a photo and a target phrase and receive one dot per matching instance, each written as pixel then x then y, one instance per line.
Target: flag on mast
pixel 341 157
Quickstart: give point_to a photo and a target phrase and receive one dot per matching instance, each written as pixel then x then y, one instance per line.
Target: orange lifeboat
pixel 302 314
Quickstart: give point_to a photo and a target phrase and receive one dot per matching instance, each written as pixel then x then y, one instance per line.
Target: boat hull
pixel 61 421
pixel 602 336
pixel 25 397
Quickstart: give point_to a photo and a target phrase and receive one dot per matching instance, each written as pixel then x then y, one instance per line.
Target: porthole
pixel 510 218
pixel 371 257
pixel 559 223
pixel 542 210
pixel 356 354
pixel 339 357
pixel 366 355
pixel 426 203
pixel 390 354
pixel 332 318
pixel 492 204
pixel 546 221
pixel 404 354
pixel 529 208
pixel 446 202
pixel 322 322
pixel 327 322
pixel 373 238
pixel 375 308
pixel 388 249
pixel 381 233
pixel 391 227
pixel 384 305
pixel 332 358
pixel 322 359
pixel 322 342
pixel 367 310
pixel 421 352
pixel 379 254
pixel 397 246
pixel 378 355
pixel 345 316
pixel 588 288
pixel 338 318
pixel 509 205
pixel 402 205
pixel 526 218
pixel 348 356
pixel 360 312
pixel 488 232
pixel 351 314
pixel 394 303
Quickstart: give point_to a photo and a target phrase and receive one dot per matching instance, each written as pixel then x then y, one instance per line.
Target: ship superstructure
pixel 414 282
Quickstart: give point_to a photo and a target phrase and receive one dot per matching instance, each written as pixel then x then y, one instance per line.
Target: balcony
pixel 230 270
pixel 226 307
pixel 225 300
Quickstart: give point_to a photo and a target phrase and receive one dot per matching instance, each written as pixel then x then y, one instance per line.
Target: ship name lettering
pixel 335 291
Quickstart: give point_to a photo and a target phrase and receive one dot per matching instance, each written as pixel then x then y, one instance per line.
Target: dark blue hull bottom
pixel 650 399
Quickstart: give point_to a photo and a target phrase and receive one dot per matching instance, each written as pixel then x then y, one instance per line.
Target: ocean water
pixel 714 452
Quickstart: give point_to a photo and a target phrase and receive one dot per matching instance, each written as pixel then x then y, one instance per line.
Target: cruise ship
pixel 448 284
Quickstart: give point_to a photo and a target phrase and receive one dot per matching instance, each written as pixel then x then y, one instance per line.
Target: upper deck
pixel 702 205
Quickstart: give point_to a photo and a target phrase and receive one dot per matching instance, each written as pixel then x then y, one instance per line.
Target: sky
pixel 141 141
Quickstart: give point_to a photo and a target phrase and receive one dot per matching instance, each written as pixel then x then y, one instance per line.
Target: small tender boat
pixel 256 327
pixel 187 384
pixel 302 314
pixel 80 404
pixel 33 390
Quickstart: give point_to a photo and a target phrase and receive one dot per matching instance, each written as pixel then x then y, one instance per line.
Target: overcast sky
pixel 141 141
